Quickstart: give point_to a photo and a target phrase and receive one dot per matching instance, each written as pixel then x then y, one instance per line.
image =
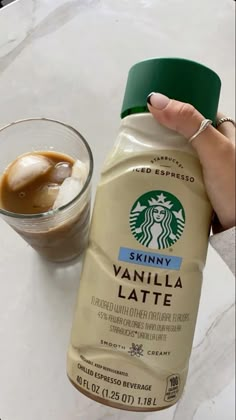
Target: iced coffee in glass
pixel 46 168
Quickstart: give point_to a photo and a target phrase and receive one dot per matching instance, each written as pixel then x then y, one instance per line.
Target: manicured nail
pixel 157 100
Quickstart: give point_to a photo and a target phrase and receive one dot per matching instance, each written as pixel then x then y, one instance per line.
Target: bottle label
pixel 141 282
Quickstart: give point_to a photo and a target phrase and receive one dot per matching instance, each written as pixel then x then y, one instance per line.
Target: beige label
pixel 141 282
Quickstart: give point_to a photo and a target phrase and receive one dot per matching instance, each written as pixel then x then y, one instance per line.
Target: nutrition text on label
pixel 101 389
pixel 107 392
pixel 139 313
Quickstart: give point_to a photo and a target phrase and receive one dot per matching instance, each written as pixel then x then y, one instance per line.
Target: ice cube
pixel 68 190
pixel 60 172
pixel 80 170
pixel 46 196
pixel 26 169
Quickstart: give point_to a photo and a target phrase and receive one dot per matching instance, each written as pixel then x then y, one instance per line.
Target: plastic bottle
pixel 142 274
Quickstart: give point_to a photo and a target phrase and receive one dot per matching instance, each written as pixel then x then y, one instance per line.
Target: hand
pixel 215 149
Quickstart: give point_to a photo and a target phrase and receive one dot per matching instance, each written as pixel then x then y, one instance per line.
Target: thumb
pixel 185 120
pixel 177 116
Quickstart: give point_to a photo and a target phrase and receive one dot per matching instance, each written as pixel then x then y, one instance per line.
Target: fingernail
pixel 157 100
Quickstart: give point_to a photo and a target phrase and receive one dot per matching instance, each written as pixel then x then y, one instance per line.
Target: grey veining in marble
pixel 207 378
pixel 57 18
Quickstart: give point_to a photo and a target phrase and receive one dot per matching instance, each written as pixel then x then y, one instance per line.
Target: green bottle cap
pixel 179 79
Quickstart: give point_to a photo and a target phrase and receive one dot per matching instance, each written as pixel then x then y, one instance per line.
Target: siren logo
pixel 157 219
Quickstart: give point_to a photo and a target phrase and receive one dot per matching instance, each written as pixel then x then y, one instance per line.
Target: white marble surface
pixel 69 60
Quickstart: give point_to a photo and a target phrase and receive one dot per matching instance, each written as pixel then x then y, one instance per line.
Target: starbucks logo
pixel 157 219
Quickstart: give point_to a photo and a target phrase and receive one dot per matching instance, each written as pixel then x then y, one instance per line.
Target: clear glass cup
pixel 59 235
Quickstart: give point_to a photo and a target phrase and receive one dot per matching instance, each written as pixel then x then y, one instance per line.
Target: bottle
pixel 142 273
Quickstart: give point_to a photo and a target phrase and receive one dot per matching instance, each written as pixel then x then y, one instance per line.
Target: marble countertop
pixel 69 60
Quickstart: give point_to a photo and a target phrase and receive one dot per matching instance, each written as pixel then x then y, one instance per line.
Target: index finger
pixel 227 128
